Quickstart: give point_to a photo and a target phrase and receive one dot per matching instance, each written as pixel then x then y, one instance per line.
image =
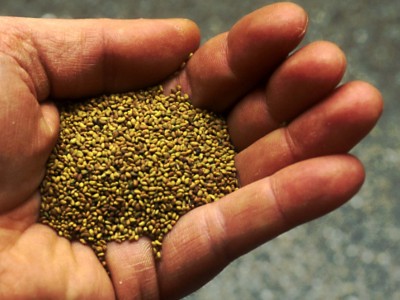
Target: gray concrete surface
pixel 352 253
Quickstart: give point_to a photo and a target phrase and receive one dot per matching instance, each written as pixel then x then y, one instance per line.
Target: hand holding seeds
pixel 289 123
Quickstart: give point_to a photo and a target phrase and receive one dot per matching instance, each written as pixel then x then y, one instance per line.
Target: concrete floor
pixel 353 252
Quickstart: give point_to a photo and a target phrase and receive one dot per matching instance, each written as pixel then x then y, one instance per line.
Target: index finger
pixel 232 64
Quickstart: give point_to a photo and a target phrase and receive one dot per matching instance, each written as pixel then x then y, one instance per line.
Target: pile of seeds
pixel 130 165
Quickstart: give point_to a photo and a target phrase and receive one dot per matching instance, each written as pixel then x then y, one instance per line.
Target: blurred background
pixel 352 253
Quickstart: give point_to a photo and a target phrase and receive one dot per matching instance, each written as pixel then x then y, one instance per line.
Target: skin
pixel 289 174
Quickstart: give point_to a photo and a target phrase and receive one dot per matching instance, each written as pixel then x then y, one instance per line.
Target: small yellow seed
pixel 130 165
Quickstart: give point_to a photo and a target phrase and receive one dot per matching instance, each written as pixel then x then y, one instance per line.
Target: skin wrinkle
pixel 78 69
pixel 107 64
pixel 78 66
pixel 50 86
pixel 206 239
pixel 22 42
pixel 219 57
pixel 44 86
pixel 106 81
pixel 19 45
pixel 40 89
pixel 149 266
pixel 275 196
pixel 218 248
pixel 24 75
pixel 234 74
pixel 291 145
pixel 265 108
pixel 272 120
pixel 235 225
pixel 142 262
pixel 237 77
pixel 61 47
pixel 228 59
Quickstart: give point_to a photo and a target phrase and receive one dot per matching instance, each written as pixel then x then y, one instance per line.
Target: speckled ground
pixel 352 253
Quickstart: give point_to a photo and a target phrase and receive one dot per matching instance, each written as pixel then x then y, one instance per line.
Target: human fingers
pixel 42 265
pixel 231 64
pixel 66 270
pixel 133 269
pixel 207 239
pixel 333 126
pixel 77 58
pixel 71 58
pixel 303 79
pixel 25 136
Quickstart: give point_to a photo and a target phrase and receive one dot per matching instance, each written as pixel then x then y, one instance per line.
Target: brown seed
pixel 130 165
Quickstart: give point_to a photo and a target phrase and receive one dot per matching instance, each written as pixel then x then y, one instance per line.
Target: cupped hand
pixel 289 120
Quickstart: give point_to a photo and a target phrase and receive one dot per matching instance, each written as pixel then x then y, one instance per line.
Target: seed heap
pixel 130 165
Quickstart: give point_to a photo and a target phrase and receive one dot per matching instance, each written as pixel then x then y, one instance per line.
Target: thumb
pixel 70 59
pixel 28 132
pixel 77 58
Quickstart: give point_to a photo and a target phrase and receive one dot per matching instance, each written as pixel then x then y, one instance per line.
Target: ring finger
pixel 301 81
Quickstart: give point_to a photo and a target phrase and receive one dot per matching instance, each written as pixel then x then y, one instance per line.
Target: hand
pixel 289 174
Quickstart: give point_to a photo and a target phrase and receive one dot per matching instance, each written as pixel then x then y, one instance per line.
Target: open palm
pixel 288 119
